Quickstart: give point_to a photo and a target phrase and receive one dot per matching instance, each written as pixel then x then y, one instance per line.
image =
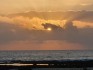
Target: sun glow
pixel 49 29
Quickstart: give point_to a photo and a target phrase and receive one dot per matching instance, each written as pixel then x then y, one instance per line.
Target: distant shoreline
pixel 49 63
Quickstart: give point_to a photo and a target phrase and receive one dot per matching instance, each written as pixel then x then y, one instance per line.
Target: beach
pixel 46 60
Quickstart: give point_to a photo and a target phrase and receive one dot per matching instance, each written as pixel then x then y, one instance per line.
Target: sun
pixel 49 29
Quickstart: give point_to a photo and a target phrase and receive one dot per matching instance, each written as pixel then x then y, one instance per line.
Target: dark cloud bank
pixel 11 32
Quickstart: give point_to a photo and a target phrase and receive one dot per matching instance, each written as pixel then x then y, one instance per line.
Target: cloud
pixel 83 4
pixel 47 45
pixel 82 15
pixel 72 34
pixel 53 27
pixel 11 32
pixel 33 31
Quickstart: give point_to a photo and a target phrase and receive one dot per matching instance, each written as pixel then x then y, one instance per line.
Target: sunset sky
pixel 15 6
pixel 46 24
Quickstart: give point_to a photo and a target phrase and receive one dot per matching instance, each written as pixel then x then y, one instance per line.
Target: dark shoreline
pixel 28 65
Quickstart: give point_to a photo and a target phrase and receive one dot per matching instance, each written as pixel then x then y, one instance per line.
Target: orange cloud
pixel 47 45
pixel 36 23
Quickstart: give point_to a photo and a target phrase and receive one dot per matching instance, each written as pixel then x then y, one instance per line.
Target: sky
pixel 46 24
pixel 15 6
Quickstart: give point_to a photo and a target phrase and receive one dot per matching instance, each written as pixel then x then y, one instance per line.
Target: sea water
pixel 45 55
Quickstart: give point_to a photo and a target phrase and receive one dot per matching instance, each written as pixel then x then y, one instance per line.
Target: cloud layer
pixel 31 33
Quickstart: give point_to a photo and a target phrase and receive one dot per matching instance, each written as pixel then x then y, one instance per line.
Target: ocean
pixel 45 55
